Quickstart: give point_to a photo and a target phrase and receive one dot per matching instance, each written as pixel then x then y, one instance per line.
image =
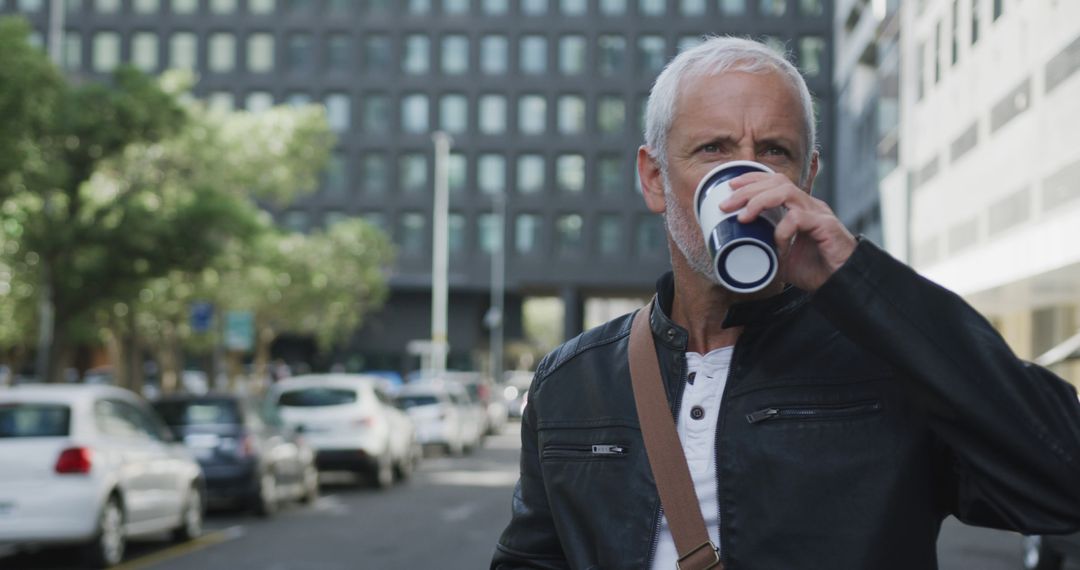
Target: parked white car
pixel 351 423
pixel 91 465
pixel 444 415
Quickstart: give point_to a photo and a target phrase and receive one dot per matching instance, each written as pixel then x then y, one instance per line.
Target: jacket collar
pixel 757 311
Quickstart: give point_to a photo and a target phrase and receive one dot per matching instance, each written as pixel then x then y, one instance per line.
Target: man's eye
pixel 710 148
pixel 777 151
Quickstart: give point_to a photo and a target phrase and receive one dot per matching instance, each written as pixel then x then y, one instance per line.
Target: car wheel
pixel 382 474
pixel 107 548
pixel 1037 556
pixel 404 468
pixel 311 485
pixel 191 524
pixel 266 500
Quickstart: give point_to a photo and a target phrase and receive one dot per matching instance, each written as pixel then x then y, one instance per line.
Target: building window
pixel 414 113
pixel 487 233
pixel 611 114
pixel 146 6
pixel 106 6
pixel 376 174
pixel 221 101
pixel 260 53
pixel 454 113
pixel 376 114
pixel 334 217
pixel 688 42
pixel 955 52
pixel 609 235
pixel 495 7
pixel 418 7
pixel 27 6
pixel 572 55
pixel 223 6
pixel 457 172
pixel 573 7
pixel 651 240
pixel 455 233
pixel 570 173
pixel 339 112
pixel 336 178
pixel 571 115
pixel 534 7
pixel 297 99
pixel 610 174
pixel 413 173
pixel 812 8
pixel 494 56
pixel 611 55
pixel 258 101
pixel 184 6
pixel 339 7
pixel 106 55
pixel 413 234
pixel 338 52
pixel 773 8
pixel 296 221
pixel 530 173
pixel 811 55
pixel 375 219
pixel 417 55
pixel 692 7
pixel 455 54
pixel 527 233
pixel 377 54
pixel 532 114
pixel 491 114
pixel 300 52
pixel 613 7
pixel 222 57
pixel 261 7
pixel 144 51
pixel 938 32
pixel 456 7
pixel 999 8
pixel 72 50
pixel 491 173
pixel 533 55
pixel 732 7
pixel 652 54
pixel 568 233
pixel 183 51
pixel 652 7
pixel 920 71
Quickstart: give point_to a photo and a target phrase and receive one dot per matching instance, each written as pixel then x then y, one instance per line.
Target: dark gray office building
pixel 543 99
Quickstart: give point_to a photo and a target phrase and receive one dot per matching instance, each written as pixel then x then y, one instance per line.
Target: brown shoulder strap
pixel 665 452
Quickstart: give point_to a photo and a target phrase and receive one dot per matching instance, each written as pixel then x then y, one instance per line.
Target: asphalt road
pixel 447 516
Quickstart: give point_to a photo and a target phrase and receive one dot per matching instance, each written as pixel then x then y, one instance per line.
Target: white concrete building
pixel 989 184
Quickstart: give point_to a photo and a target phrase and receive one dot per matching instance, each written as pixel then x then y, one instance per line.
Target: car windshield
pixel 407 402
pixel 34 420
pixel 316 397
pixel 199 412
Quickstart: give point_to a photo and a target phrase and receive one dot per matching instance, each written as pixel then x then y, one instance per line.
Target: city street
pixel 448 516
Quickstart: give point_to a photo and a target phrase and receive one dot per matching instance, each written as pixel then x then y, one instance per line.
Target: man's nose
pixel 744 152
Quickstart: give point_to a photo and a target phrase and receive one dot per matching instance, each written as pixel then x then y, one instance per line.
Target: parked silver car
pixel 92 466
pixel 351 423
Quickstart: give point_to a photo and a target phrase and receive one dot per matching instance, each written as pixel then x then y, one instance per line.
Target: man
pixel 830 421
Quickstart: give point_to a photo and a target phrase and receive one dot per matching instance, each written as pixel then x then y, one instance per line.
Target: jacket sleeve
pixel 530 540
pixel 1011 429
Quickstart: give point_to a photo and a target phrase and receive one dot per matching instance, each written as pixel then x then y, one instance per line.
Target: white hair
pixel 716 55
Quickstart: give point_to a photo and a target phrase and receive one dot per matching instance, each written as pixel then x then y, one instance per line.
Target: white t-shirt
pixel 696 425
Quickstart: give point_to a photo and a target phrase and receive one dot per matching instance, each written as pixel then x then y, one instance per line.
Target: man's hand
pixel 812 242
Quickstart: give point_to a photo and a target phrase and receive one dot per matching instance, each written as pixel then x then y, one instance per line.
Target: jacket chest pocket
pixel 815 412
pixel 583 452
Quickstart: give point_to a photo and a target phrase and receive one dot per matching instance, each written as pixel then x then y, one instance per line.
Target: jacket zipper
pixel 818 412
pixel 583 451
pixel 679 389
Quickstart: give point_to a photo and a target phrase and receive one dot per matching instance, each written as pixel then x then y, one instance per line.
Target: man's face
pixel 721 118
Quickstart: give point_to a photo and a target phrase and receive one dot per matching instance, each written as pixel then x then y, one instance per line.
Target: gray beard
pixel 683 228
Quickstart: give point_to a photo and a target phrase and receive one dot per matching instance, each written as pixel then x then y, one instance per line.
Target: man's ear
pixel 652 180
pixel 815 164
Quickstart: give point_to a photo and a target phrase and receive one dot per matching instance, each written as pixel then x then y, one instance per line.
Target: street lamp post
pixel 498 287
pixel 440 254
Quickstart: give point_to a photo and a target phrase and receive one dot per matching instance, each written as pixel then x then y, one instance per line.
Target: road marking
pixel 189 547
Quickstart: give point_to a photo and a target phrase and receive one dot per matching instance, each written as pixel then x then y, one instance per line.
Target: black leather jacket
pixel 853 421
